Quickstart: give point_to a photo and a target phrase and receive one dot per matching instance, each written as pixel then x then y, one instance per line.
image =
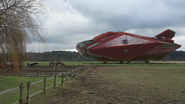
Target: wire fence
pixel 23 93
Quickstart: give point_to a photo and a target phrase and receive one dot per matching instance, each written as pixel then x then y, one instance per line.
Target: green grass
pixel 146 82
pixel 154 63
pixel 12 82
pixel 45 63
pixel 128 84
pixel 161 82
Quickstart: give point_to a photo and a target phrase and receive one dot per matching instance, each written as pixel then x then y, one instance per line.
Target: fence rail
pixel 68 75
pixel 9 90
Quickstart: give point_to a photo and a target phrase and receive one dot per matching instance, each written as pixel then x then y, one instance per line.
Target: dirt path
pixel 93 88
pixel 84 89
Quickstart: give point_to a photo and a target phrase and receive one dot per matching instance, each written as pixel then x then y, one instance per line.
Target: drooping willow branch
pixel 19 24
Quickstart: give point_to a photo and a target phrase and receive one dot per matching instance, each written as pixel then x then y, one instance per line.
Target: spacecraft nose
pixel 80 47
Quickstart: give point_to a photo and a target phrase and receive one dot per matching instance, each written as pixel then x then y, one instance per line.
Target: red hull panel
pixel 121 46
pixel 123 52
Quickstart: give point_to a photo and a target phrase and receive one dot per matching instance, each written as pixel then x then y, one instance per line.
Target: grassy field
pixel 46 63
pixel 12 82
pixel 128 84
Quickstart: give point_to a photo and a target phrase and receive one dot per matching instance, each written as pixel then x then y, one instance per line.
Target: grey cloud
pixel 85 19
pixel 134 14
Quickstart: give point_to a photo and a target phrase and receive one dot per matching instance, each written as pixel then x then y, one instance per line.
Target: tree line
pixel 57 56
pixel 75 56
pixel 175 55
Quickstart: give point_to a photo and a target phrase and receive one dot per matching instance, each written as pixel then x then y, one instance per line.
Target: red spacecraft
pixel 122 46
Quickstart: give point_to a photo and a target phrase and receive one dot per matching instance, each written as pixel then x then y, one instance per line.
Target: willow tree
pixel 19 25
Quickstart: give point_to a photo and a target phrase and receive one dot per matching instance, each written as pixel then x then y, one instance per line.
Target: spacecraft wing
pixel 166 34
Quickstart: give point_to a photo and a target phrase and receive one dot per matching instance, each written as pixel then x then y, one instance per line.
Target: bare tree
pixel 19 24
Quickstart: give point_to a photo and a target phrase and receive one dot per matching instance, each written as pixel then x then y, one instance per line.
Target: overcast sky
pixel 78 20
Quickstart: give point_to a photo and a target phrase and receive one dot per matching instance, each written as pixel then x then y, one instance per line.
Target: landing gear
pixel 128 62
pixel 120 62
pixel 146 61
pixel 105 62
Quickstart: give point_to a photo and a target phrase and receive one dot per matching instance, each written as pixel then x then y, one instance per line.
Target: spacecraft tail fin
pixel 169 34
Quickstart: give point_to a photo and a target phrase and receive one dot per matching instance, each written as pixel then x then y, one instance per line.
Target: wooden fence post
pixel 37 73
pixel 53 69
pixel 71 73
pixel 28 92
pixel 24 73
pixel 62 78
pixel 74 72
pixel 25 68
pixel 45 85
pixel 81 70
pixel 55 81
pixel 66 76
pixel 6 71
pixel 21 93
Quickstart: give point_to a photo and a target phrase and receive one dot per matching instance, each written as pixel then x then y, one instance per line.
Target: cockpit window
pixel 88 42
